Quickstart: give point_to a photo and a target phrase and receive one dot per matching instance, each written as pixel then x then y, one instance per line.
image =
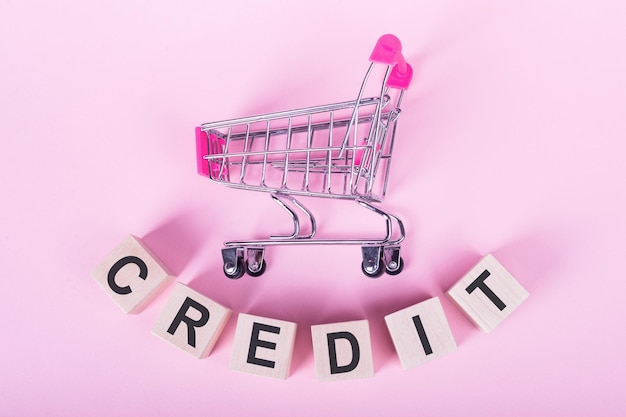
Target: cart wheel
pixel 393 268
pixel 372 264
pixel 372 272
pixel 234 271
pixel 255 270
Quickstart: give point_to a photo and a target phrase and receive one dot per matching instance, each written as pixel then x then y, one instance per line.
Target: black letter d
pixel 332 352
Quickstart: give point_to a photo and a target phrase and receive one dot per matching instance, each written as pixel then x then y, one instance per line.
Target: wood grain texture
pixel 191 321
pixel 342 350
pixel 420 333
pixel 263 346
pixel 488 294
pixel 132 275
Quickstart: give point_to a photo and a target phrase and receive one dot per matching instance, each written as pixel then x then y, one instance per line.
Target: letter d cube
pixel 342 350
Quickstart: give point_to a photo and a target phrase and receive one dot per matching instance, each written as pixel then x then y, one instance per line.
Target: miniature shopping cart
pixel 339 151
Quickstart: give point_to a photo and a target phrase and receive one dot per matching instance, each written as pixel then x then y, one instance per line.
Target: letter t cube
pixel 488 294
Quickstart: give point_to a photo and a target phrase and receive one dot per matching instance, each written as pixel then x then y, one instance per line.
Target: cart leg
pixel 255 262
pixel 233 262
pixel 392 260
pixel 372 266
pixel 280 200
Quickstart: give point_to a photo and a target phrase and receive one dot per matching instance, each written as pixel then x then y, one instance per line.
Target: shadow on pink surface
pixel 534 259
pixel 178 239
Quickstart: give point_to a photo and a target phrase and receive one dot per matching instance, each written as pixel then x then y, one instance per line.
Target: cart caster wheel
pixel 372 265
pixel 394 268
pixel 254 269
pixel 235 271
pixel 371 272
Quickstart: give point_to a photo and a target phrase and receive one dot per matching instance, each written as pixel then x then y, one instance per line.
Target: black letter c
pixel 143 273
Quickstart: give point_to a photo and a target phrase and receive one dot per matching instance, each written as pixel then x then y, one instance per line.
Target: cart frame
pixel 339 151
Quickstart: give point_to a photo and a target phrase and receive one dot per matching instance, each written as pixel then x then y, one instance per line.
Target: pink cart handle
pixel 388 51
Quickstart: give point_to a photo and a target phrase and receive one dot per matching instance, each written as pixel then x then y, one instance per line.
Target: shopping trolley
pixel 339 151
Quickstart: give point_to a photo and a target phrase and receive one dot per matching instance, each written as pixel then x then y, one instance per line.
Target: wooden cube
pixel 342 351
pixel 191 321
pixel 420 333
pixel 488 294
pixel 263 346
pixel 132 275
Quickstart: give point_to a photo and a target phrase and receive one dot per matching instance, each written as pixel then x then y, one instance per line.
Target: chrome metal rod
pixel 301 128
pixel 268 189
pixel 278 198
pixel 374 142
pixel 287 154
pixel 309 145
pixel 309 215
pixel 267 147
pixel 355 113
pixel 291 113
pixel 330 154
pixel 366 241
pixel 294 217
pixel 244 159
pixel 226 152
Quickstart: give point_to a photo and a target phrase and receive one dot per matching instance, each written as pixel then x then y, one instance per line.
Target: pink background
pixel 511 143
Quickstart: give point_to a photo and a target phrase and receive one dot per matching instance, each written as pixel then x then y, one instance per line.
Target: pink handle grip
pixel 388 51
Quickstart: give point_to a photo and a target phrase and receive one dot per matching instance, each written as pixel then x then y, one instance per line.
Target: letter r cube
pixel 191 321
